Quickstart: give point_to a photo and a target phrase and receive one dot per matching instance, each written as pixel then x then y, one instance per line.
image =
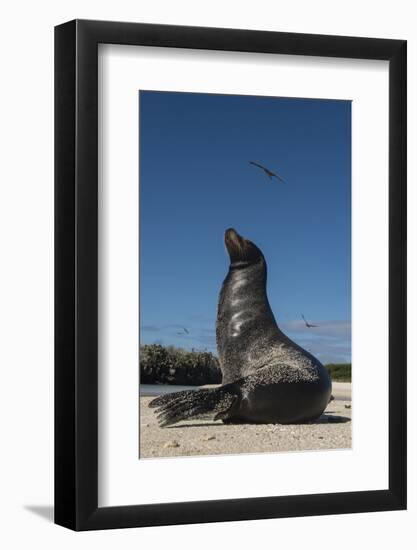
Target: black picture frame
pixel 76 272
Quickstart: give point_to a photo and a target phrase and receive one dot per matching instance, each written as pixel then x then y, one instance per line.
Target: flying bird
pixel 268 172
pixel 185 331
pixel 308 325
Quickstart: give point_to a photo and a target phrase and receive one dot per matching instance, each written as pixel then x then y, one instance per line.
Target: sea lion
pixel 267 378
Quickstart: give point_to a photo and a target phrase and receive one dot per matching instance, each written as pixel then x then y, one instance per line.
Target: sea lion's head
pixel 242 252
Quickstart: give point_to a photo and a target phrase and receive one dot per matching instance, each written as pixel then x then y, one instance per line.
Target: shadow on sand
pixel 324 419
pixel 331 419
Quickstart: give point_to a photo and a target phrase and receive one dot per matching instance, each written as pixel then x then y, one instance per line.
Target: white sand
pixel 205 437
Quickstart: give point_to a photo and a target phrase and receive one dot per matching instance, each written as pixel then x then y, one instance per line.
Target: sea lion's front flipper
pixel 215 403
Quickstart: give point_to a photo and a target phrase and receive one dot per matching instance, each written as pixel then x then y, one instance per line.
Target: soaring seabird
pixel 268 172
pixel 308 325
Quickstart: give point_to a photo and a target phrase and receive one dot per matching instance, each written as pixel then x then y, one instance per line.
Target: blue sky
pixel 196 181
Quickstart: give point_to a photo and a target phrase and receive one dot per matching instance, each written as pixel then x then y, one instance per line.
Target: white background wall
pixel 26 273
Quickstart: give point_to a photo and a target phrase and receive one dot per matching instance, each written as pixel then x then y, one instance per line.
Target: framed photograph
pixel 230 254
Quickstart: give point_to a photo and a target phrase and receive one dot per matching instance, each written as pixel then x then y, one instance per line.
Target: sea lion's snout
pixel 234 243
pixel 232 237
pixel 240 249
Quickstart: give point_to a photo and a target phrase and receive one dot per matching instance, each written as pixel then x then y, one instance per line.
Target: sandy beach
pixel 204 437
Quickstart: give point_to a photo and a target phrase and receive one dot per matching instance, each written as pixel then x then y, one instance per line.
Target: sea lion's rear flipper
pixel 215 403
